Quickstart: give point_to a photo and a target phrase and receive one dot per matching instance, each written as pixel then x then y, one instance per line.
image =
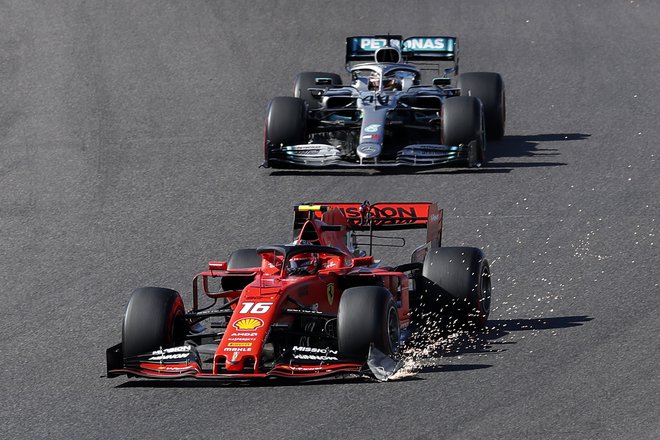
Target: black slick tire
pixel 457 282
pixel 489 88
pixel 153 319
pixel 463 123
pixel 286 124
pixel 367 315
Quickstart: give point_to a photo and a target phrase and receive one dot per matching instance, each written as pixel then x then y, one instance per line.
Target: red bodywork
pixel 269 301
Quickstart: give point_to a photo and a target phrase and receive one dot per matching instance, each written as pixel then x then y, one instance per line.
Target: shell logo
pixel 248 324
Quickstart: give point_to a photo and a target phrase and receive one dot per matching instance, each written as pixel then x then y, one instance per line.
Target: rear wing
pixel 418 48
pixel 380 216
pixel 363 48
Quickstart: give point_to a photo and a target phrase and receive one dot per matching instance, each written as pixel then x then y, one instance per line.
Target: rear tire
pixel 286 124
pixel 457 282
pixel 306 80
pixel 367 315
pixel 463 123
pixel 489 88
pixel 153 319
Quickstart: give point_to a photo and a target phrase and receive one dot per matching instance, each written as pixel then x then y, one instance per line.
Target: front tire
pixel 367 315
pixel 153 319
pixel 286 124
pixel 463 123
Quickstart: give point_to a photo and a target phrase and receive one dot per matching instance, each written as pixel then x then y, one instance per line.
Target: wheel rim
pixel 485 292
pixel 481 156
pixel 503 112
pixel 393 329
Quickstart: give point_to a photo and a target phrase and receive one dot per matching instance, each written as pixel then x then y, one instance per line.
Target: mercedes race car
pixel 319 306
pixel 386 116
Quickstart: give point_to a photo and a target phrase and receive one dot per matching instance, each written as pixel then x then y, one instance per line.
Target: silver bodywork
pixel 383 118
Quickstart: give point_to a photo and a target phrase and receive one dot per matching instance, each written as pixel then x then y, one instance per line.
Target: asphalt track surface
pixel 130 135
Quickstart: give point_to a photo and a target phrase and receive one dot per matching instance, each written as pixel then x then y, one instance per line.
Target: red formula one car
pixel 319 306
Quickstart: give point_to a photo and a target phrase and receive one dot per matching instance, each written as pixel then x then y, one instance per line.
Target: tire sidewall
pixel 457 280
pixel 367 315
pixel 489 88
pixel 286 124
pixel 462 121
pixel 152 320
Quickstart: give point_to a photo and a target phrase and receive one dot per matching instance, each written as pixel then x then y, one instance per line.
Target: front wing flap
pixel 418 155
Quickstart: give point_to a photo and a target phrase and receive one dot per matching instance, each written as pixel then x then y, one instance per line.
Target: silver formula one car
pixel 386 117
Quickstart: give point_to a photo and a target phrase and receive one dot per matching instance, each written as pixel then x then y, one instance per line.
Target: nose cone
pixel 368 150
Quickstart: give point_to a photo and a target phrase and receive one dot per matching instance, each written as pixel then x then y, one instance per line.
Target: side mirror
pixel 217 265
pixel 363 261
pixel 323 81
pixel 441 81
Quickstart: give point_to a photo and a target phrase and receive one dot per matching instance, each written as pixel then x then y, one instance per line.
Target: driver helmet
pixel 303 264
pixel 374 81
pixel 391 82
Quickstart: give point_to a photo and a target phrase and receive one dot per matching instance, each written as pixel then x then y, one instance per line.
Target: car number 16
pixel 256 308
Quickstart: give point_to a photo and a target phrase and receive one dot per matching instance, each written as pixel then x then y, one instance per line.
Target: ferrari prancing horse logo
pixel 331 293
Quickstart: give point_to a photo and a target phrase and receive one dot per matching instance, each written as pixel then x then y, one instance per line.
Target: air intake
pixel 388 55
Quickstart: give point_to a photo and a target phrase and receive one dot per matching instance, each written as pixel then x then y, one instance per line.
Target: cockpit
pixel 388 79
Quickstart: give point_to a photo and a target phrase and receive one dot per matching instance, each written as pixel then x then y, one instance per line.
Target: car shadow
pixel 527 146
pixel 513 147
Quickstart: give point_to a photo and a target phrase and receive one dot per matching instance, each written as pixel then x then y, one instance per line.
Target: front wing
pixel 418 155
pixel 190 367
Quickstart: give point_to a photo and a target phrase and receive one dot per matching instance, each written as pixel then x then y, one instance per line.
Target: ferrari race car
pixel 386 117
pixel 316 307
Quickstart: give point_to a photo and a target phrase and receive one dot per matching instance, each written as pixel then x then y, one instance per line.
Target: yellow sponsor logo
pixel 239 344
pixel 248 324
pixel 331 293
